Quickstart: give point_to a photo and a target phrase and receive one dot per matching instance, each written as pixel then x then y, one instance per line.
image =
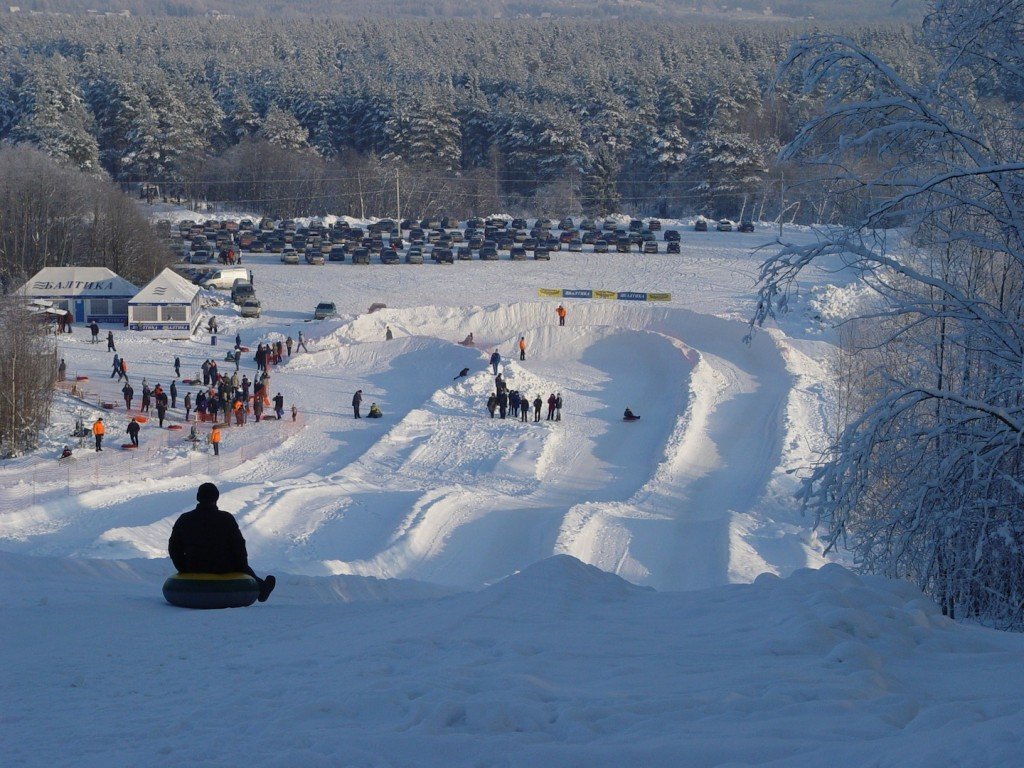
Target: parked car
pixel 337 253
pixel 387 256
pixel 650 246
pixel 324 310
pixel 414 256
pixel 566 224
pixel 672 246
pixel 465 253
pixel 700 225
pixel 601 246
pixel 745 226
pixel 724 225
pixel 576 245
pixel 489 253
pixel 361 256
pixel 289 255
pixel 654 225
pixel 250 307
pixel 518 253
pixel 315 257
pixel 671 235
pixel 623 245
pixel 542 253
pixel 242 291
pixel 201 257
pixel 443 256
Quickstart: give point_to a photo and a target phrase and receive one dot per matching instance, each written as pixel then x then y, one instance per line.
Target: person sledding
pixel 468 341
pixel 375 412
pixel 208 540
pixel 66 453
pixel 630 416
pixel 462 374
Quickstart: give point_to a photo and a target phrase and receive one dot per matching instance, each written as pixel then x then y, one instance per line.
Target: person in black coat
pixel 208 540
pixel 502 403
pixel 174 395
pixel 133 432
pixel 357 400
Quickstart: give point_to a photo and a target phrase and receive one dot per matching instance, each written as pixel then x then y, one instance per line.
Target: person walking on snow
pixel 537 404
pixel 174 394
pixel 495 360
pixel 524 407
pixel 558 406
pixel 215 440
pixel 206 372
pixel 188 404
pixel 492 403
pixel 133 432
pixel 295 413
pixel 302 343
pixel 560 311
pixel 129 394
pixel 357 400
pixel 522 347
pixel 279 405
pixel 388 335
pixel 98 430
pixel 208 540
pixel 110 342
pixel 62 370
pixel 503 403
pixel 288 343
pixel 161 408
pixel 177 367
pixel 551 407
pixel 146 394
pixel 95 329
pixel 124 370
pixel 238 341
pixel 117 366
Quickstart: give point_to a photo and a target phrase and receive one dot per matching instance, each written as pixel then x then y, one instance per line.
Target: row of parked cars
pixel 442 239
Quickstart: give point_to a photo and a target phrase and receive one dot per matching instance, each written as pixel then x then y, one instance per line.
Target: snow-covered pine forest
pixel 555 116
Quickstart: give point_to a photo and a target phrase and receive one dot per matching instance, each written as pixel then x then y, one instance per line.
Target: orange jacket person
pixel 98 430
pixel 215 440
pixel 560 311
pixel 522 347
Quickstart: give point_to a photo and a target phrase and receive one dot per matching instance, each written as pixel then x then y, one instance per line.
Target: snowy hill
pixel 460 590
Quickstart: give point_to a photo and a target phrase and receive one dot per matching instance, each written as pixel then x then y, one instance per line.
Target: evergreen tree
pixel 283 130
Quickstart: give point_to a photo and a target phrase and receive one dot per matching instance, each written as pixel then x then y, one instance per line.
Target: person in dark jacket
pixel 110 342
pixel 208 540
pixel 94 328
pixel 537 404
pixel 558 406
pixel 129 393
pixel 495 361
pixel 524 407
pixel 513 403
pixel 462 374
pixel 177 367
pixel 174 395
pixel 492 403
pixel 279 405
pixel 551 406
pixel 503 403
pixel 357 400
pixel 133 432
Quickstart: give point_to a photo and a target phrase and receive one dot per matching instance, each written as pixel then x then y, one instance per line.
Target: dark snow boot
pixel 266 588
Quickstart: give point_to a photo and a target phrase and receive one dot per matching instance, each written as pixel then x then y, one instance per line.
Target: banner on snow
pixel 586 293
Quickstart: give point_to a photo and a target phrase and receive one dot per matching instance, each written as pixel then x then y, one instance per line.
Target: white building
pixel 169 306
pixel 88 293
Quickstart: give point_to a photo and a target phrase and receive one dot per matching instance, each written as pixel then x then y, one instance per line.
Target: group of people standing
pixel 518 404
pixel 223 396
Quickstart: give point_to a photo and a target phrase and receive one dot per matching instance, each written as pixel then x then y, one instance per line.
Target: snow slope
pixel 456 590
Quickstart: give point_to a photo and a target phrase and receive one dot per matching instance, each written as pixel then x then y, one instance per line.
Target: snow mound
pixel 556 585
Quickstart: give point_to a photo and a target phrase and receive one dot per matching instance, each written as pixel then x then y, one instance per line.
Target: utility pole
pixel 398 197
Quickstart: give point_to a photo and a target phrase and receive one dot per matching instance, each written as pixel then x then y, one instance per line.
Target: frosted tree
pixel 926 480
pixel 283 130
pixel 54 116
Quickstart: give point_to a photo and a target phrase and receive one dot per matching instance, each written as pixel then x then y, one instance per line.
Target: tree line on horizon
pixel 335 116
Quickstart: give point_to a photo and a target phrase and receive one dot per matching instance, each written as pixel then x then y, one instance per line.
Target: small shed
pixel 169 305
pixel 88 293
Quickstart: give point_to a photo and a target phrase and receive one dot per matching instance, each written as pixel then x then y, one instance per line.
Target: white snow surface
pixel 457 590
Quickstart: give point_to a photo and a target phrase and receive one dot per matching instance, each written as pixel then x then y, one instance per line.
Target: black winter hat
pixel 207 493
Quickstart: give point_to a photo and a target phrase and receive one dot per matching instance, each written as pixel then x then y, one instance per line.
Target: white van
pixel 225 278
